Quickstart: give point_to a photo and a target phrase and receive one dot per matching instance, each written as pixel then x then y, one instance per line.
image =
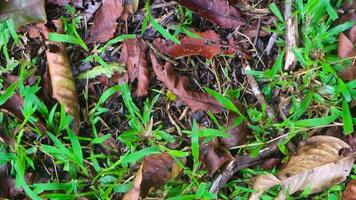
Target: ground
pixel 200 99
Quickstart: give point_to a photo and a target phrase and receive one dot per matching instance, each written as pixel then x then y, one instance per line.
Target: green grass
pixel 318 98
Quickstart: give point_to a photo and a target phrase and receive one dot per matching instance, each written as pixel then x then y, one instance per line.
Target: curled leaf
pixel 63 86
pixel 350 191
pixel 217 11
pixel 23 12
pixel 180 86
pixel 134 56
pixel 316 165
pixel 105 24
pixel 213 156
pixel 154 172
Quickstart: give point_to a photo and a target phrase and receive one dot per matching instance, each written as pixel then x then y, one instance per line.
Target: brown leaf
pixel 134 56
pixel 346 50
pixel 316 165
pixel 23 11
pixel 217 11
pixel 238 133
pixel 63 86
pixel 350 191
pixel 14 105
pixel 129 8
pixel 36 30
pixel 180 86
pixel 208 46
pixel 270 163
pixel 154 172
pixel 213 156
pixel 105 24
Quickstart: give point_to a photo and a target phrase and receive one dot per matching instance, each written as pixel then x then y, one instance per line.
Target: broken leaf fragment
pixel 180 86
pixel 101 70
pixel 63 86
pixel 154 172
pixel 207 46
pixel 317 165
pixel 350 191
pixel 23 12
pixel 133 54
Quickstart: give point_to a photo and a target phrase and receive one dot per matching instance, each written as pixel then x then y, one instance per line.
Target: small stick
pixel 241 162
pixel 257 92
pixel 291 36
pixel 271 42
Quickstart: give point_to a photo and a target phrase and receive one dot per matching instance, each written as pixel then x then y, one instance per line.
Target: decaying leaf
pixel 207 46
pixel 154 172
pixel 180 86
pixel 213 156
pixel 238 133
pixel 23 11
pixel 105 24
pixel 350 191
pixel 316 165
pixel 346 50
pixel 217 11
pixel 130 7
pixel 14 105
pixel 134 56
pixel 108 71
pixel 63 86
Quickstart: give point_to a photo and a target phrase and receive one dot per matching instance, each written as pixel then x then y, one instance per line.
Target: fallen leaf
pixel 180 86
pixel 217 11
pixel 23 12
pixel 134 56
pixel 238 133
pixel 350 191
pixel 316 165
pixel 36 30
pixel 270 163
pixel 14 105
pixel 105 24
pixel 207 46
pixel 130 7
pixel 347 50
pixel 100 70
pixel 213 156
pixel 63 86
pixel 76 3
pixel 154 172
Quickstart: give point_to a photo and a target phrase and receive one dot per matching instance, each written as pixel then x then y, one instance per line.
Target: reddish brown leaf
pixel 105 24
pixel 207 46
pixel 217 11
pixel 134 56
pixel 180 86
pixel 346 50
pixel 213 156
pixel 238 134
pixel 270 163
pixel 63 86
pixel 14 105
pixel 155 171
pixel 350 191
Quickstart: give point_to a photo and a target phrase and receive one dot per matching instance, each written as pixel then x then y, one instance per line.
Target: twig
pixel 239 163
pixel 271 42
pixel 257 92
pixel 291 36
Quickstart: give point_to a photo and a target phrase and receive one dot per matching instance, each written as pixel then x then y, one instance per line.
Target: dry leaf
pixel 105 24
pixel 317 165
pixel 217 11
pixel 207 46
pixel 63 86
pixel 154 172
pixel 350 191
pixel 180 86
pixel 213 156
pixel 238 133
pixel 23 11
pixel 14 105
pixel 347 50
pixel 134 56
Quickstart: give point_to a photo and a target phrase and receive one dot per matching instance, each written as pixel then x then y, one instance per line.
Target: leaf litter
pixel 182 70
